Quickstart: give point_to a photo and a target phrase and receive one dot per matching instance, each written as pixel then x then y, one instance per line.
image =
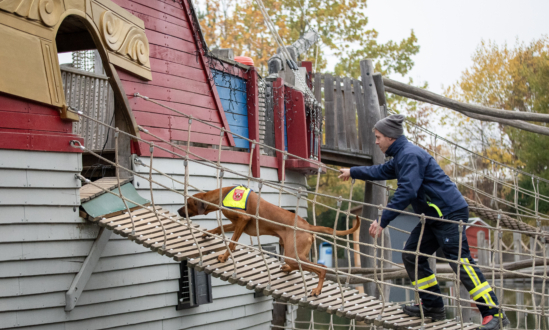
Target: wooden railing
pixel 348 139
pixel 91 93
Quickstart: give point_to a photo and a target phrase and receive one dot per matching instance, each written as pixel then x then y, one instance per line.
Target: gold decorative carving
pixel 46 11
pixel 124 38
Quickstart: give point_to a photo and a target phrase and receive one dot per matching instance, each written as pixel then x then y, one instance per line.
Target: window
pixel 195 288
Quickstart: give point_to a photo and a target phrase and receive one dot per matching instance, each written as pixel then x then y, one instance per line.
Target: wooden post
pixel 124 141
pixel 365 136
pixel 373 194
pixel 517 244
pixel 482 254
pixel 465 312
pixel 380 88
pixel 329 111
pixel 252 92
pixel 340 116
pixel 350 116
pixel 356 256
pixel 279 316
pixel 278 113
pixel 433 263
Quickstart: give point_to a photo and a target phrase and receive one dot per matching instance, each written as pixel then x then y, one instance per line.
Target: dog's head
pixel 194 206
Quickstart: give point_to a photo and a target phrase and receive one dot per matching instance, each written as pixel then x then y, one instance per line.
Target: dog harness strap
pixel 237 198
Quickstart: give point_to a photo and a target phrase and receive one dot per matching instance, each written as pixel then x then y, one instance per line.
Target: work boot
pixel 435 313
pixel 492 322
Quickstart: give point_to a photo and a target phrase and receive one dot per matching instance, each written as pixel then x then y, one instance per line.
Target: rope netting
pixel 510 215
pixel 344 277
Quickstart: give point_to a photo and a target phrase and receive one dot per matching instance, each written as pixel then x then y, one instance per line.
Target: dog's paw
pixel 285 268
pixel 205 235
pixel 316 292
pixel 221 258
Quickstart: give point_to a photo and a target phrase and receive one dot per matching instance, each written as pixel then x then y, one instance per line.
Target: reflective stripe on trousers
pixel 426 282
pixel 481 290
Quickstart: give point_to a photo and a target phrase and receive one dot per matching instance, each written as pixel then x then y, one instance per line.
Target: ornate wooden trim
pixel 29 53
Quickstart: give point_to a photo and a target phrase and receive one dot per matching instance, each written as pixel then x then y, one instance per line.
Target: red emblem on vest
pixel 237 195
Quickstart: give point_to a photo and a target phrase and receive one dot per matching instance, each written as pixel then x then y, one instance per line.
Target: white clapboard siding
pixel 43 243
pixel 64 249
pixel 39 214
pixel 142 310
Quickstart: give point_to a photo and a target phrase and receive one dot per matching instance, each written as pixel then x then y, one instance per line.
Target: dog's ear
pixel 200 207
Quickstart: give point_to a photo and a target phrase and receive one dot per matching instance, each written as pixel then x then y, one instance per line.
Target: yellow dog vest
pixel 237 198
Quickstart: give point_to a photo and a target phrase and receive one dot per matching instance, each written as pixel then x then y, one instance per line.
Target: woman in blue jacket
pixel 424 185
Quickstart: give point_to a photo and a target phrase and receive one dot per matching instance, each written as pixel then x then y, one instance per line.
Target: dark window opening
pixel 195 288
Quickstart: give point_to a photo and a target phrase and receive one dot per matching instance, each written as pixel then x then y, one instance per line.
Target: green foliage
pixel 516 79
pixel 342 26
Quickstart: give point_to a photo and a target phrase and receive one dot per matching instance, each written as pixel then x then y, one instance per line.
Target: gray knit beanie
pixel 391 126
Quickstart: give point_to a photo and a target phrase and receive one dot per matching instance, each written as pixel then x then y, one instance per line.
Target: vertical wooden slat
pixel 380 89
pixel 77 89
pixel 350 115
pixel 318 87
pixel 373 194
pixel 252 91
pixel 278 112
pixel 99 113
pixel 110 117
pixel 102 96
pixel 329 111
pixel 102 114
pixel 340 116
pixel 361 115
pixel 269 119
pixel 89 105
pixel 371 103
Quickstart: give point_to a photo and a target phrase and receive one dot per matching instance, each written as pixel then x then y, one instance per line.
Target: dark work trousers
pixel 446 235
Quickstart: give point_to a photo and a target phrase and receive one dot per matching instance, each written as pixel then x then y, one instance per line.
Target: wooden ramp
pixel 251 270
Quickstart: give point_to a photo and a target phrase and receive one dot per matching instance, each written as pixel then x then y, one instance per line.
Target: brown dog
pixel 243 221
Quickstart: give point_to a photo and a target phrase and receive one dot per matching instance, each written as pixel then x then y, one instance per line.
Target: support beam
pixel 373 194
pixel 510 122
pixel 465 107
pixel 252 92
pixel 81 279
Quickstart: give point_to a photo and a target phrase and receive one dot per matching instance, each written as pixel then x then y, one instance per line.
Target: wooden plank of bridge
pixel 365 135
pixel 364 302
pixel 90 191
pixel 340 116
pixel 329 109
pixel 350 115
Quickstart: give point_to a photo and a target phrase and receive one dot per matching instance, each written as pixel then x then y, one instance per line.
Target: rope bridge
pixel 179 238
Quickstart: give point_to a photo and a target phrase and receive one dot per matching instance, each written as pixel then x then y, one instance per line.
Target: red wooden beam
pixel 252 93
pixel 278 114
pixel 208 74
pixel 296 123
pixel 32 140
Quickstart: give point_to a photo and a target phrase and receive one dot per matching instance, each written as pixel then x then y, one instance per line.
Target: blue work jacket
pixel 420 179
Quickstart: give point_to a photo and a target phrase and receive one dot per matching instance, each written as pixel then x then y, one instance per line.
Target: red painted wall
pixel 26 125
pixel 181 80
pixel 471 233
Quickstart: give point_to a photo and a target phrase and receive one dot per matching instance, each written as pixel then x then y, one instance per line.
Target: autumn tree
pixel 512 78
pixel 342 26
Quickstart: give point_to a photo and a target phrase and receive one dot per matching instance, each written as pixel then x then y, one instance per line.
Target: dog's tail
pixel 326 230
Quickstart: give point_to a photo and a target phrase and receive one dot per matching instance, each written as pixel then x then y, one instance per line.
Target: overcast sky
pixel 450 31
